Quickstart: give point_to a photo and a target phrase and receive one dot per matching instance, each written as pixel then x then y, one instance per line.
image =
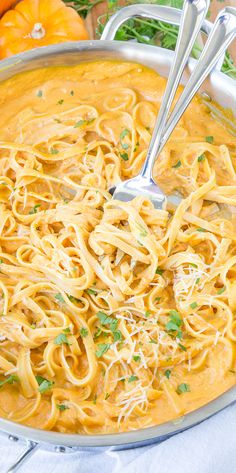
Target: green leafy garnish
pixel 83 122
pixel 60 102
pixel 167 374
pixel 221 290
pixel 200 229
pixel 9 380
pixel 107 320
pixel 197 280
pixel 59 297
pixel 107 395
pixel 202 157
pixel 132 378
pixel 193 305
pixel 60 339
pixel 83 332
pixel 91 291
pixel 153 341
pixel 44 384
pixel 174 323
pixel 209 139
pixel 159 271
pixel 102 349
pixel 39 93
pixel 182 347
pixel 62 407
pixel 124 156
pixel 124 133
pixel 193 265
pixel 177 165
pixel 183 388
pixel 147 313
pixel 117 335
pixel 34 210
pixel 136 358
pixel 54 151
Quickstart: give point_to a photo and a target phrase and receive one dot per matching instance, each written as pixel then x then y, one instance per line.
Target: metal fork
pixel 223 32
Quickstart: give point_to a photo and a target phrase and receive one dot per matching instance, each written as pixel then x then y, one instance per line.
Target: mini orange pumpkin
pixel 6 4
pixel 35 23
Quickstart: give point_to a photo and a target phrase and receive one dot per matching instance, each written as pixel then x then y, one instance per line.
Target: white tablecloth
pixel 207 448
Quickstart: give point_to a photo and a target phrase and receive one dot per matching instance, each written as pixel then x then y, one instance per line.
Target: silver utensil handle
pixel 194 12
pixel 154 12
pixel 30 449
pixel 222 34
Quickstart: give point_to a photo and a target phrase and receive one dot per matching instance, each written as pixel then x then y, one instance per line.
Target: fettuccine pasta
pixel 114 316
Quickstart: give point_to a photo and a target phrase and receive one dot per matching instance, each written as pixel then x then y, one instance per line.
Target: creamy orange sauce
pixel 69 254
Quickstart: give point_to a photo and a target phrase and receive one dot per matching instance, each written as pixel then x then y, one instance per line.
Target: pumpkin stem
pixel 38 31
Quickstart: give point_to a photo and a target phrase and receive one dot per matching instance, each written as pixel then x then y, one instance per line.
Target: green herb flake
pixel 197 280
pixel 124 156
pixel 61 339
pixel 125 146
pixel 183 388
pixel 221 290
pixel 83 332
pixel 102 349
pixel 1 261
pixel 9 380
pixel 34 210
pixel 107 320
pixel 117 336
pixel 62 407
pixel 167 374
pixel 44 384
pixel 59 297
pixel 91 291
pixel 157 299
pixel 66 330
pixel 60 102
pixel 193 305
pixel 174 323
pixel 177 165
pixel 107 395
pixel 209 139
pixel 137 358
pixel 182 347
pixel 200 229
pixel 193 265
pixel 54 151
pixel 147 313
pixel 39 93
pixel 201 158
pixel 132 378
pixel 153 341
pixel 159 271
pixel 124 133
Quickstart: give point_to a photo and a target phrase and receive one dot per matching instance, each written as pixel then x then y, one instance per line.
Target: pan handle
pixel 157 12
pixel 25 455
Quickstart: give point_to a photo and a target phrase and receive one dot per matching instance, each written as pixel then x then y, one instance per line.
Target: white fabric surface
pixel 207 448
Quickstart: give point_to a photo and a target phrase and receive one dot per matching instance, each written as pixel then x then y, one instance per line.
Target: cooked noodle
pixel 115 316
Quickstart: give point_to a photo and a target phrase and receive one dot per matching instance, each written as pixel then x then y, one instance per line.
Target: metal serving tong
pixel 222 34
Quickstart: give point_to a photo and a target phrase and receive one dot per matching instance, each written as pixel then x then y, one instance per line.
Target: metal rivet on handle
pixel 13 438
pixel 60 449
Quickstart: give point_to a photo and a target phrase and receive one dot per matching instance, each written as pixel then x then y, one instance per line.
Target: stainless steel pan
pixel 220 88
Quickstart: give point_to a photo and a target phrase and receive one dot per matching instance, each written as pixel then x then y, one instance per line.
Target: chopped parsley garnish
pixel 202 157
pixel 124 156
pixel 125 145
pixel 183 388
pixel 159 271
pixel 60 339
pixel 153 341
pixel 62 407
pixel 124 133
pixel 107 395
pixel 60 102
pixel 157 299
pixel 107 320
pixel 132 378
pixel 72 298
pixel 117 335
pixel 83 332
pixel 54 151
pixel 193 305
pixel 1 261
pixel 167 374
pixel 193 265
pixel 200 229
pixel 221 290
pixel 83 122
pixel 147 313
pixel 209 139
pixel 174 323
pixel 44 384
pixel 10 380
pixel 197 280
pixel 34 210
pixel 177 165
pixel 97 333
pixel 39 93
pixel 102 349
pixel 91 291
pixel 59 297
pixel 136 358
pixel 182 347
pixel 66 330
